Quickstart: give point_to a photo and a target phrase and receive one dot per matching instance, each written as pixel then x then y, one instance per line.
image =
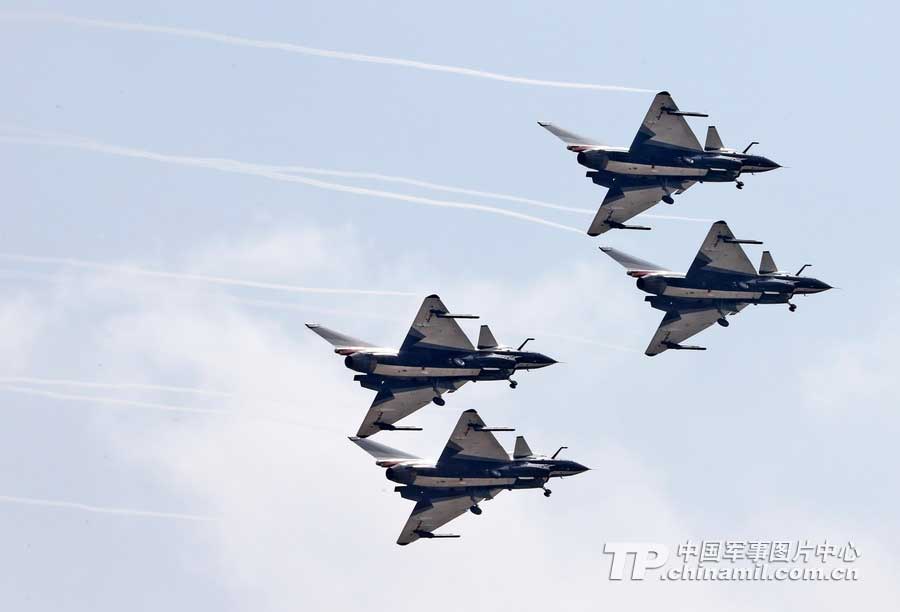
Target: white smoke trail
pixel 30 501
pixel 388 178
pixel 309 51
pixel 238 167
pixel 109 400
pixel 64 382
pixel 286 173
pixel 429 185
pixel 115 401
pixel 220 280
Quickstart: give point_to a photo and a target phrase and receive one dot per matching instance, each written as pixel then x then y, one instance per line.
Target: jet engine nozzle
pixel 652 283
pixel 403 474
pixel 595 160
pixel 361 362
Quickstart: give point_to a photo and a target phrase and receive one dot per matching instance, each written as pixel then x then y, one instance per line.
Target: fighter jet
pixel 665 158
pixel 473 467
pixel 721 281
pixel 436 357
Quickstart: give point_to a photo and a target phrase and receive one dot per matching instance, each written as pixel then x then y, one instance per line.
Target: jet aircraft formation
pixel 437 357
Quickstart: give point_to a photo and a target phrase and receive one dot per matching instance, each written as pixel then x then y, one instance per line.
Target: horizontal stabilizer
pixel 630 262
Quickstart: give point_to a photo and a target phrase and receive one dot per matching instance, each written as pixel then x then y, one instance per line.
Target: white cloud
pixel 307 520
pixel 21 321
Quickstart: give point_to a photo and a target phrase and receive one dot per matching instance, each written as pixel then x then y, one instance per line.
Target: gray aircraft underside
pixel 473 467
pixel 665 159
pixel 435 358
pixel 720 282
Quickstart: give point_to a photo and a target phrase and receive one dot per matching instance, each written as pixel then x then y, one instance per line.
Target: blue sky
pixel 784 428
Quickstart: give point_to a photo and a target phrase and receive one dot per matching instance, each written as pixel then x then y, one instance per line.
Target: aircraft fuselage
pixel 666 288
pixel 703 166
pixel 440 364
pixel 517 474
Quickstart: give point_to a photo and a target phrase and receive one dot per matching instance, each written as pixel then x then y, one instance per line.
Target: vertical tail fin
pixel 574 142
pixel 383 454
pixel 767 264
pixel 340 342
pixel 522 449
pixel 486 339
pixel 713 142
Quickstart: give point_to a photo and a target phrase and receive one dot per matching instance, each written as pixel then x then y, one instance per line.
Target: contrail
pixel 238 167
pixel 220 280
pixel 104 510
pixel 241 41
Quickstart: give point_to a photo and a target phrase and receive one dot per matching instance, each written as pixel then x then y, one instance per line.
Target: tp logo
pixel 646 556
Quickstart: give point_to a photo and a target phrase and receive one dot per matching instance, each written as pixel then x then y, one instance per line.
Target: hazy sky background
pixel 785 428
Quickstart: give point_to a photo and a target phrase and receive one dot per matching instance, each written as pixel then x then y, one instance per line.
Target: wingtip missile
pixel 429 535
pixel 618 225
pixel 740 240
pixel 391 427
pixel 682 347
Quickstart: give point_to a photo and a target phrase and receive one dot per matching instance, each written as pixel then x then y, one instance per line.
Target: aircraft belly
pixel 424 371
pixel 711 294
pixel 448 482
pixel 619 167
